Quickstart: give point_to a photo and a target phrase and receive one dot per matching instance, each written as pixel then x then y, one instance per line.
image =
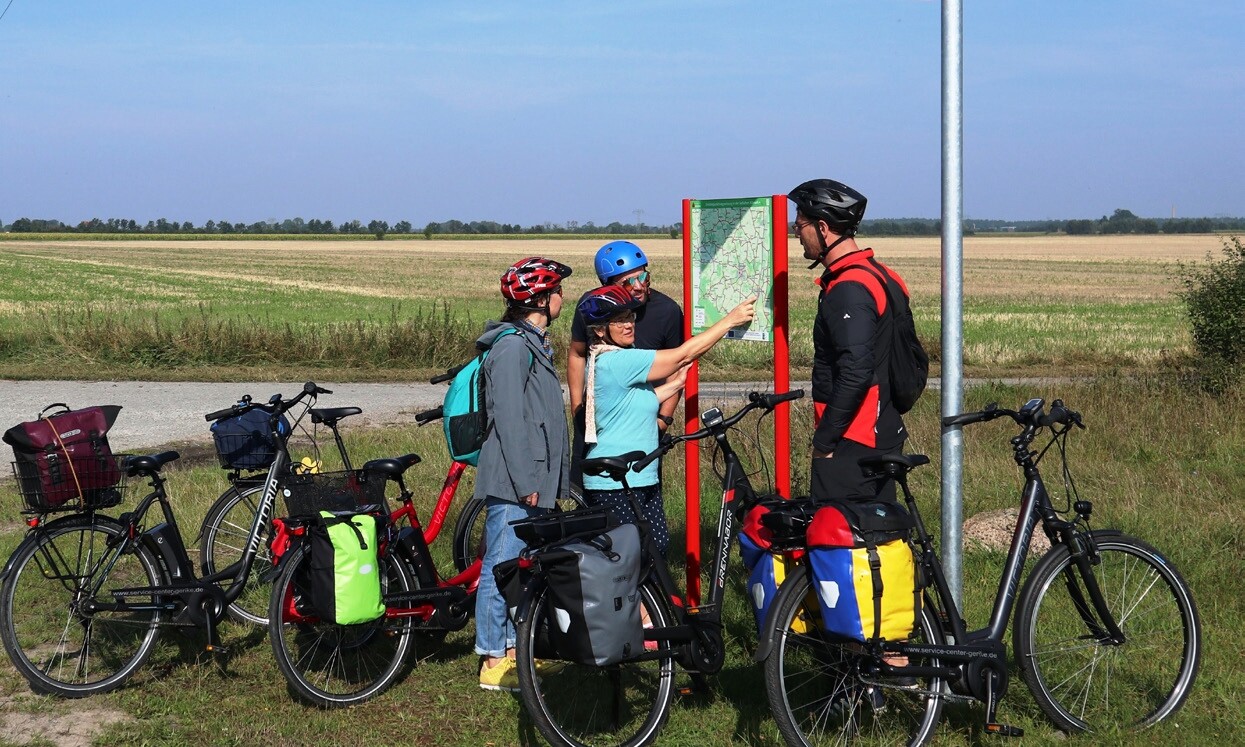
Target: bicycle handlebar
pixel 1027 416
pixel 756 400
pixel 427 416
pixel 275 406
pixel 451 373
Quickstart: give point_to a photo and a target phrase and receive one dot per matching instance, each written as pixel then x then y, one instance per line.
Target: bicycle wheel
pixel 225 531
pixel 53 640
pixel 577 705
pixel 1082 680
pixel 469 529
pixel 818 688
pixel 330 665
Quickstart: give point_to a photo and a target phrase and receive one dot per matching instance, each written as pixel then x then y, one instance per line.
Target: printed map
pixel 732 258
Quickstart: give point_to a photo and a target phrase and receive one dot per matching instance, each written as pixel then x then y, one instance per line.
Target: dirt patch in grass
pixel 75 726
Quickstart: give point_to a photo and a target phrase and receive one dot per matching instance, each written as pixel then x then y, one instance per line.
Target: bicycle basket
pixel 246 441
pixel 359 491
pixel 71 483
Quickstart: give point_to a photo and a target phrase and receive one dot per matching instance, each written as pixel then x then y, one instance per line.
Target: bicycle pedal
pixel 217 649
pixel 703 609
pixel 1003 730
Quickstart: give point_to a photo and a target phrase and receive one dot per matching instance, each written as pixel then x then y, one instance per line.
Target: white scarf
pixel 590 400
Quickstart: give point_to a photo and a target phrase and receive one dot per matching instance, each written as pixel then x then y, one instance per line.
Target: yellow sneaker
pixel 504 676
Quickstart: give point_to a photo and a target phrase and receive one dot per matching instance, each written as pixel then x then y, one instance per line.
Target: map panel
pixel 732 258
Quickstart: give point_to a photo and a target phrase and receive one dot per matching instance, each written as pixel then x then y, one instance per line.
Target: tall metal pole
pixel 952 289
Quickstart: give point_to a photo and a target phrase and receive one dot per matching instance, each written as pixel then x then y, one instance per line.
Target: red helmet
pixel 530 277
pixel 600 305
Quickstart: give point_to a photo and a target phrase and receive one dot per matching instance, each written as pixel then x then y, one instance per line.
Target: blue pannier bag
pixel 463 414
pixel 246 442
pixel 863 571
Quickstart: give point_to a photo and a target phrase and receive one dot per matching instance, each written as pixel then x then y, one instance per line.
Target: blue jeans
pixel 494 630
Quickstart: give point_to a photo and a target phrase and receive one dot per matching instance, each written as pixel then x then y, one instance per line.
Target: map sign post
pixel 733 249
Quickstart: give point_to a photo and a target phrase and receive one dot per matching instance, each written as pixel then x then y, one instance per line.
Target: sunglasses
pixel 640 279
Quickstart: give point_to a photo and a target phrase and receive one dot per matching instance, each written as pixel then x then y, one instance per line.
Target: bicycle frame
pixel 982 653
pixel 438 603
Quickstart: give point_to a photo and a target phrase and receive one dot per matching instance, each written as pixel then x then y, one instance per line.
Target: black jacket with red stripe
pixel 850 394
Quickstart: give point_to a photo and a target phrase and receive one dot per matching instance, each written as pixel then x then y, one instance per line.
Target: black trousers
pixel 841 477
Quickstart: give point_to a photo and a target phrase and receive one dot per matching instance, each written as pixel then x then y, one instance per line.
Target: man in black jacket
pixel 851 387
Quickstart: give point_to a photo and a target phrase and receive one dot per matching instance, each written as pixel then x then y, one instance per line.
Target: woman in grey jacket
pixel 524 465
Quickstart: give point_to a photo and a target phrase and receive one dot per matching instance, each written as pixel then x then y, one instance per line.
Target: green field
pixel 369 310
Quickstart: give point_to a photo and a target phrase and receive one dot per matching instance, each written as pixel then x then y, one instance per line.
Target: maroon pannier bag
pixel 63 456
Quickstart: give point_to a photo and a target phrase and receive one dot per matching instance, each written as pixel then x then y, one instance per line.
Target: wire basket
pixel 73 483
pixel 249 451
pixel 357 491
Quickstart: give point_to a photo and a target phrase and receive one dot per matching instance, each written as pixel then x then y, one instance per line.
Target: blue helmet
pixel 618 258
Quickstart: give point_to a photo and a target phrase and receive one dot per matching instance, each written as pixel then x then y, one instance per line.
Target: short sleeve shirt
pixel 626 412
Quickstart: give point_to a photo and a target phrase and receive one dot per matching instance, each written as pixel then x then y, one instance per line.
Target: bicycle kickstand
pixel 209 624
pixel 992 704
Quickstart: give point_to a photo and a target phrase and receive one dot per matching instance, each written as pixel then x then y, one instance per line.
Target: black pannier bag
pixel 246 441
pixel 65 456
pixel 594 597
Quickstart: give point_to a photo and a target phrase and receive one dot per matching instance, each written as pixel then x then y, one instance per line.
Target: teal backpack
pixel 463 414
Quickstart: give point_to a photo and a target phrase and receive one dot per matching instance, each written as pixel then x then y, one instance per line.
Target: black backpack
pixel 907 363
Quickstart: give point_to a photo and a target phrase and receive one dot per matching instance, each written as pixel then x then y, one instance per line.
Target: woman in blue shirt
pixel 624 388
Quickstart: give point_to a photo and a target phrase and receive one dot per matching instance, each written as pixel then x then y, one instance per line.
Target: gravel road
pixel 157 413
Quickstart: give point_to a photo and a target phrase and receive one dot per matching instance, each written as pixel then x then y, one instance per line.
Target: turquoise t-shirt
pixel 626 410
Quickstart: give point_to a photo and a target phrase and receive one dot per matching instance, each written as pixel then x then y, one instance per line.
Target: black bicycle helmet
pixel 840 206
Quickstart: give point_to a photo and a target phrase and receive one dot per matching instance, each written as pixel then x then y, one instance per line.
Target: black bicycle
pixel 226 526
pixel 1106 632
pixel 85 595
pixel 628 703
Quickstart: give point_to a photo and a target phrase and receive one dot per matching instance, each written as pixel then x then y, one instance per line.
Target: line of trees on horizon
pixel 1120 222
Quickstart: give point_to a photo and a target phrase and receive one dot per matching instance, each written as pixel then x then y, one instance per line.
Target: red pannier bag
pixel 64 456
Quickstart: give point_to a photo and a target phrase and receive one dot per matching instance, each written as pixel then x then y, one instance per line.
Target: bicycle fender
pixel 768 634
pixel 530 590
pixel 33 535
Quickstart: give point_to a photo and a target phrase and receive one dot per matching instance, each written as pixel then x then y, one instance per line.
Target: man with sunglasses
pixel 851 387
pixel 658 326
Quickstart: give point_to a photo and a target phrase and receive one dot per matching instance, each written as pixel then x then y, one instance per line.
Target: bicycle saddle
pixel 892 464
pixel 614 467
pixel 149 463
pixel 394 466
pixel 330 415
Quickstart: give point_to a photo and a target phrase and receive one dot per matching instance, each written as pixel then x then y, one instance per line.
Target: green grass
pixel 1158 460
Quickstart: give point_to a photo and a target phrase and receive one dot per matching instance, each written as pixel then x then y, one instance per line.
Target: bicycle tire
pixel 55 647
pixel 469 528
pixel 224 534
pixel 1083 682
pixel 567 705
pixel 333 666
pixel 816 692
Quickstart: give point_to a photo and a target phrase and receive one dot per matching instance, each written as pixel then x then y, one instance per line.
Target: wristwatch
pixel 667 419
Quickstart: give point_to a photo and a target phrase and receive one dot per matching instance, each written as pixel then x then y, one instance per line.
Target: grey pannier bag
pixel 594 598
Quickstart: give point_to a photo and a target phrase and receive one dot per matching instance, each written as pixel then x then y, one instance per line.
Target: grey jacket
pixel 527 450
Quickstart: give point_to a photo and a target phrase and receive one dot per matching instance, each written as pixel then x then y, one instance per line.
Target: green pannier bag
pixel 345 572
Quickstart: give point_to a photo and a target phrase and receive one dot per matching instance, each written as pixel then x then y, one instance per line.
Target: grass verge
pixel 1159 461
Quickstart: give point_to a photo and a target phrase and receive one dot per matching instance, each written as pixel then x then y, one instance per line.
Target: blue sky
pixel 555 111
